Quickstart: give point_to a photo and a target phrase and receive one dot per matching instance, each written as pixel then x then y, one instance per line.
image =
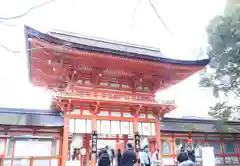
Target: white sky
pixel 110 19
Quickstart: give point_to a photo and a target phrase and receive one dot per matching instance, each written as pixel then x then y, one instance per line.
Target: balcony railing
pixel 114 95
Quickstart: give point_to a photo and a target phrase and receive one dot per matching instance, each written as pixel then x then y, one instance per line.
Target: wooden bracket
pixel 135 111
pixel 96 74
pixel 157 113
pixel 65 105
pixel 95 108
pixel 136 80
pixel 156 82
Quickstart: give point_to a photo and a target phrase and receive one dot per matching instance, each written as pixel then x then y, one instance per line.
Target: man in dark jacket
pixel 129 157
pixel 119 156
pixel 104 159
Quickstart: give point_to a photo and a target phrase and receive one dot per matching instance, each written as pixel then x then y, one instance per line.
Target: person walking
pixel 104 159
pixel 129 157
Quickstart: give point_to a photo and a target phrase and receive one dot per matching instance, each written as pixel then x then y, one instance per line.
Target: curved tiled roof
pixel 199 125
pixel 105 46
pixel 30 117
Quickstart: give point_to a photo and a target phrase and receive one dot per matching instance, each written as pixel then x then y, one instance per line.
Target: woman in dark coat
pixel 104 159
pixel 119 155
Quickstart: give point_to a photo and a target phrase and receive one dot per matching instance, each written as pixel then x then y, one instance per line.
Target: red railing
pixel 114 95
pixel 107 96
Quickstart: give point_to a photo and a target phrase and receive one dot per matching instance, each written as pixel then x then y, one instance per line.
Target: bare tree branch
pixel 159 17
pixel 27 12
pixel 135 9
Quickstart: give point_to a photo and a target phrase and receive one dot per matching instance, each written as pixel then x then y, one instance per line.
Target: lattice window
pixel 105 127
pixel 9 148
pixel 87 82
pixel 125 86
pixel 229 147
pixel 2 146
pixel 80 81
pixel 125 128
pixel 116 114
pixel 231 160
pixel 115 85
pixel 216 146
pixel 103 113
pixel 166 148
pixel 115 127
pixel 142 115
pixel 219 160
pixel 35 147
pixel 55 147
pixel 139 88
pixel 104 83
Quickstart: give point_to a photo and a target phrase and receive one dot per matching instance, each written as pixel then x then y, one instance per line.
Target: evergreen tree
pixel 224 41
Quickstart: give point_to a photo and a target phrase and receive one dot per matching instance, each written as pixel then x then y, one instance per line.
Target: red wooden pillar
pixel 173 147
pixel 65 149
pixel 31 162
pixel 135 126
pixel 125 140
pixel 158 134
pixel 66 107
pixel 94 128
pixel 13 151
pixel 117 139
pixel 151 145
pixel 87 147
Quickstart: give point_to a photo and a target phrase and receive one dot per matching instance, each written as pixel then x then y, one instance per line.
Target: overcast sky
pixel 115 20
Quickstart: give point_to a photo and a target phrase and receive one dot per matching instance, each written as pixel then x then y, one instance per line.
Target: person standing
pixel 76 154
pixel 191 153
pixel 110 153
pixel 156 158
pixel 119 156
pixel 183 159
pixel 145 157
pixel 182 156
pixel 129 157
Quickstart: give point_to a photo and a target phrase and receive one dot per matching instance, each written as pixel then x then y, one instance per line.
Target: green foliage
pixel 224 40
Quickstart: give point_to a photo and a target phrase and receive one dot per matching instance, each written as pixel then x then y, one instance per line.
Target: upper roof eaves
pixel 111 47
pixel 106 44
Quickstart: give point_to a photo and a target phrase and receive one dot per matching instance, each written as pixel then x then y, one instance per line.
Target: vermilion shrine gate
pixel 104 87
